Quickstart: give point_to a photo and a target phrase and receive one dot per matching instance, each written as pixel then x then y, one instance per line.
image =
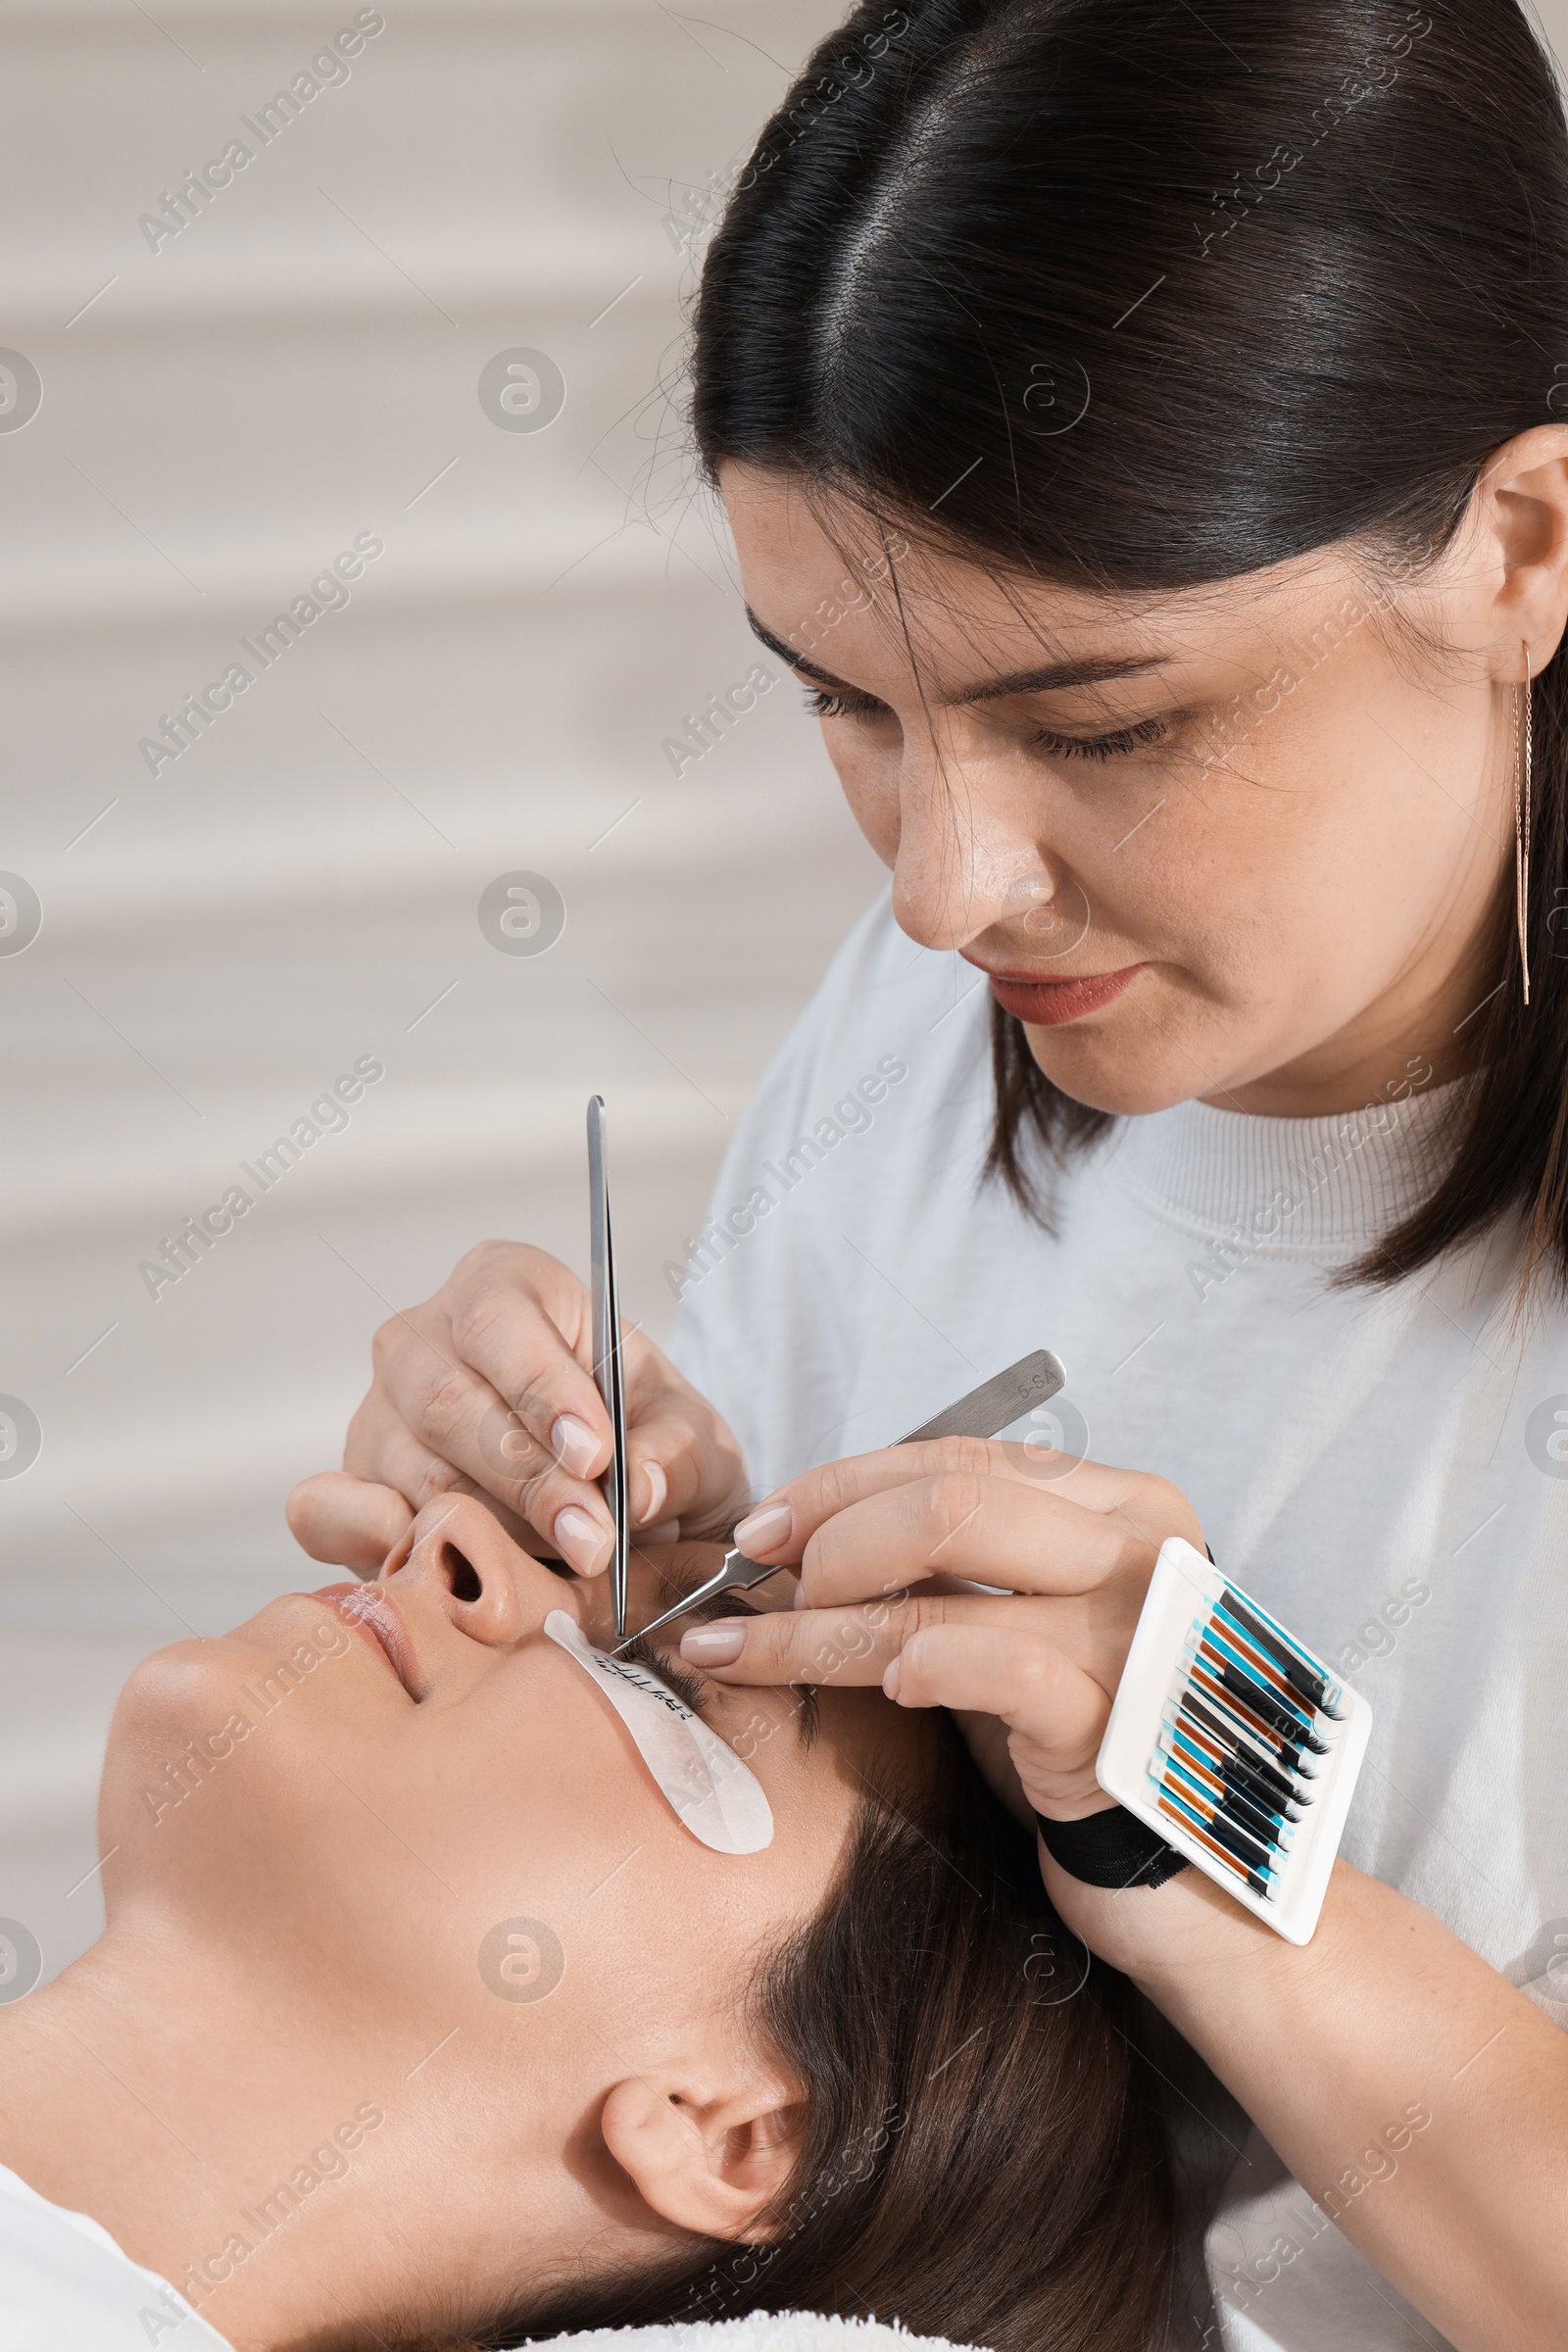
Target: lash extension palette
pixel 1233 1741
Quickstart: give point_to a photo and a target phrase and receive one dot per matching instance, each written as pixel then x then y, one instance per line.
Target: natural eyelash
pixel 694 1692
pixel 822 703
pixel 1116 746
pixel 688 1687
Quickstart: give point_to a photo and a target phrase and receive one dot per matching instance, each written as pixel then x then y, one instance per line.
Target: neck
pixel 202 2135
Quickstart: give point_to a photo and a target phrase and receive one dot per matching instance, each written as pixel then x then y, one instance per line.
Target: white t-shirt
pixel 65 2287
pixel 1387 1470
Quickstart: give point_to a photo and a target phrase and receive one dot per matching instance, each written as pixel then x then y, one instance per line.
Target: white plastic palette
pixel 1181 1594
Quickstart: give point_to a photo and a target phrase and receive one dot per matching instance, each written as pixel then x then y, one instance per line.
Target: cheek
pixel 869 775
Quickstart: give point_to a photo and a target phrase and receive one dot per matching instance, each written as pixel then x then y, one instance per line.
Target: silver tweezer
pixel 990 1408
pixel 606 1356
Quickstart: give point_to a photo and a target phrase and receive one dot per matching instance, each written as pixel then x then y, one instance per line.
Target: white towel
pixel 758 2332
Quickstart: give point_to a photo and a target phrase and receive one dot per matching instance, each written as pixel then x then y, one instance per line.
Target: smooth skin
pixel 1283 808
pixel 298 1938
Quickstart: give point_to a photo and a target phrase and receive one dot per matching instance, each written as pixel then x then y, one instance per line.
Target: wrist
pixel 1186 1945
pixel 1109 1848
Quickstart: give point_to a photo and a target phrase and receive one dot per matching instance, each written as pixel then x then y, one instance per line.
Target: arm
pixel 1417 2096
pixel 1414 2093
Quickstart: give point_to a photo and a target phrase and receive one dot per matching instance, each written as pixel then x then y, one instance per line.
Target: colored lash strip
pixel 1227 1787
pixel 1262 1755
pixel 1199 1830
pixel 1292 1662
pixel 1288 1754
pixel 1233 1741
pixel 1217 1645
pixel 1248 1852
pixel 1259 1660
pixel 1250 1764
pixel 1252 1840
pixel 1284 1716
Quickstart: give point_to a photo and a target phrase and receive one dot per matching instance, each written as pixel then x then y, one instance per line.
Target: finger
pixel 347 1522
pixel 506 1394
pixel 1002 1669
pixel 784 1522
pixel 1055 1712
pixel 566 1515
pixel 521 1321
pixel 682 1464
pixel 990 1529
pixel 856 1645
pixel 425 1380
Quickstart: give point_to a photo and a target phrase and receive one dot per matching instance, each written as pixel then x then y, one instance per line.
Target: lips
pixel 1046 1004
pixel 373 1618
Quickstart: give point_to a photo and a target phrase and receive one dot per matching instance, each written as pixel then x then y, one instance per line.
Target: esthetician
pixel 1138 430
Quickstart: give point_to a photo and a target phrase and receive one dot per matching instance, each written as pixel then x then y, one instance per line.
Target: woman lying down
pixel 422 2018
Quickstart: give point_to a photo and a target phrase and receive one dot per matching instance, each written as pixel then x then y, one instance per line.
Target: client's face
pixel 417 1860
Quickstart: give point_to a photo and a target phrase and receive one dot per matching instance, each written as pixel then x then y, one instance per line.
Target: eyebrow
pixel 1050 677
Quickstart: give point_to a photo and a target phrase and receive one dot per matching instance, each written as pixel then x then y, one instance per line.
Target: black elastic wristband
pixel 1113 1848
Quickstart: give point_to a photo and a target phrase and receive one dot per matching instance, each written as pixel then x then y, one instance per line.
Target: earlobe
pixel 714 2167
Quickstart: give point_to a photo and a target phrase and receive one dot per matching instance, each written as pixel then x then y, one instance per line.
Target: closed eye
pixel 692 1690
pixel 1116 744
pixel 822 703
pixel 696 1692
pixel 1119 745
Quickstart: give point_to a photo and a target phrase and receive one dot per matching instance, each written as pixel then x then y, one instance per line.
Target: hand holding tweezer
pixel 991 1407
pixel 985 1410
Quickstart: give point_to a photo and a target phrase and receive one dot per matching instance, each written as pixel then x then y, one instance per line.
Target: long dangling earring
pixel 1521 826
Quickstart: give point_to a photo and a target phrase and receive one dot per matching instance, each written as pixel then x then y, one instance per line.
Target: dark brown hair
pixel 982 2155
pixel 1306 262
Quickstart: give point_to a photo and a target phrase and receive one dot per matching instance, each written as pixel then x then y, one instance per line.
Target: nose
pixel 968 857
pixel 455 1556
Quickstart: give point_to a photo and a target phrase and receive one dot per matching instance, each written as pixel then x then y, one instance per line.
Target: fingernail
pixel 764 1530
pixel 713 1645
pixel 890 1676
pixel 658 1491
pixel 800 1601
pixel 573 1444
pixel 580 1539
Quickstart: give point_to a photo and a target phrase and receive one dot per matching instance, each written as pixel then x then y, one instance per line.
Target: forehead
pixel 823 577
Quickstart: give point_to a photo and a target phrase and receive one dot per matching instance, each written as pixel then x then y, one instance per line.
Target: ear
pixel 711 2166
pixel 1524 524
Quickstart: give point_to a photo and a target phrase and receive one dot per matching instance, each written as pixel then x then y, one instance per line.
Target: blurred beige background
pixel 221 416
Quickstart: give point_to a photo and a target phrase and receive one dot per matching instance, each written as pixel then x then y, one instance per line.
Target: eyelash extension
pixel 694 1692
pixel 688 1687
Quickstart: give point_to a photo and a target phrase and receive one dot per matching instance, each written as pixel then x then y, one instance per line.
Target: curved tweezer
pixel 606 1355
pixel 986 1411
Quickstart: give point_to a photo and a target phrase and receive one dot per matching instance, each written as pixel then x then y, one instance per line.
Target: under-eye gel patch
pixel 709 1788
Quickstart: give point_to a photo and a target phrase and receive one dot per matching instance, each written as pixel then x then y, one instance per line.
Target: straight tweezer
pixel 982 1413
pixel 606 1308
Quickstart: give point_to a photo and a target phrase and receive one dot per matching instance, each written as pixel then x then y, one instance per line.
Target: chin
pixel 1094 1071
pixel 201 1759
